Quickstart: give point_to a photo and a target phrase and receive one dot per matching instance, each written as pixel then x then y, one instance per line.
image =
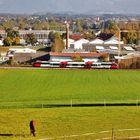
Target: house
pixel 22 42
pixel 70 41
pixel 1 43
pixel 79 44
pixel 113 41
pixel 76 36
pixel 96 42
pixel 3 54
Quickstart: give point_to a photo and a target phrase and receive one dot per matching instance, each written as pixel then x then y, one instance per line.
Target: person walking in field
pixel 32 127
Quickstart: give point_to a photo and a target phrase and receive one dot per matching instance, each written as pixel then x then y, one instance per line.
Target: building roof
pixel 128 48
pixel 96 41
pixel 76 36
pixel 100 48
pixel 113 40
pixel 70 40
pixel 82 41
pixel 113 47
pixel 93 55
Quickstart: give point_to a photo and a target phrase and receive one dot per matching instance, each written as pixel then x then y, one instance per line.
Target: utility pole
pixel 67 35
pixel 119 41
pixel 112 134
pixel 119 44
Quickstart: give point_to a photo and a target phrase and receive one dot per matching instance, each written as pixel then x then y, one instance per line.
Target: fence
pixel 19 120
pixel 68 103
pixel 110 135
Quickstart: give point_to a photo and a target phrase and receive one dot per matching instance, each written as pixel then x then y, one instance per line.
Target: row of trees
pixel 30 23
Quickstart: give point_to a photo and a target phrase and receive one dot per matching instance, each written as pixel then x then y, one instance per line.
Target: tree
pixel 31 39
pixel 8 24
pixel 57 44
pixel 132 37
pixel 110 27
pixel 12 33
pixel 16 41
pixel 7 41
pixel 51 36
pixel 89 35
pixel 12 36
pixel 79 26
pixel 21 23
pixel 37 25
pixel 77 58
pixel 45 25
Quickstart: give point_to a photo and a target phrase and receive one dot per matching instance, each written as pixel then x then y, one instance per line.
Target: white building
pixel 96 41
pixel 70 41
pixel 1 42
pixel 113 41
pixel 86 57
pixel 22 41
pixel 79 44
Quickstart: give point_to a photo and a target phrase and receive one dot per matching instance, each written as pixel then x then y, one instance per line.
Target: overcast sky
pixel 75 6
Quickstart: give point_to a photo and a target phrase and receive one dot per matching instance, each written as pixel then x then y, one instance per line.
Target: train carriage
pixel 81 65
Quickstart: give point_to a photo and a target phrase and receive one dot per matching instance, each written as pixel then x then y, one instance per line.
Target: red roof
pixel 92 55
pixel 75 36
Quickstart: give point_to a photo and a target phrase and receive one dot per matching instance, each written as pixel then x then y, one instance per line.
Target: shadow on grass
pixel 86 105
pixel 6 135
pixel 15 135
pixel 72 105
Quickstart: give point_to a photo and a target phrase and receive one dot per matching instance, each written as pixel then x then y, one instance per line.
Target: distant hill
pixel 74 6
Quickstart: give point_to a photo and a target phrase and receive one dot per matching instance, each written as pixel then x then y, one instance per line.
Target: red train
pixel 86 65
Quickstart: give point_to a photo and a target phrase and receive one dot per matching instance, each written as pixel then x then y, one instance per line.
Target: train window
pixel 94 64
pixel 74 64
pixel 45 63
pixel 55 64
pixel 105 64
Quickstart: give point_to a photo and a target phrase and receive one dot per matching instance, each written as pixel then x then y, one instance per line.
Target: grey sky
pixel 76 6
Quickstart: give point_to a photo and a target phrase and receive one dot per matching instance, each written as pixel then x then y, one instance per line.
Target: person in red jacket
pixel 32 127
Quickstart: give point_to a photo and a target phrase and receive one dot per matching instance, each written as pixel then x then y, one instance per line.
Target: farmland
pixel 54 122
pixel 25 92
pixel 34 87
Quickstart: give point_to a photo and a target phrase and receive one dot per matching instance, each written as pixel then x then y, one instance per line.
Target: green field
pixel 26 88
pixel 55 122
pixel 23 87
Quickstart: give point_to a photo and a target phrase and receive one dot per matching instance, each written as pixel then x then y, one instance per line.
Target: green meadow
pixel 20 87
pixel 56 122
pixel 25 92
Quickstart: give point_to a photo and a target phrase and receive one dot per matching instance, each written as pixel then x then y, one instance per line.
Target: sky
pixel 74 6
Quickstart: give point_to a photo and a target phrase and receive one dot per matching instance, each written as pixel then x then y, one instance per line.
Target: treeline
pixel 85 27
pixel 129 31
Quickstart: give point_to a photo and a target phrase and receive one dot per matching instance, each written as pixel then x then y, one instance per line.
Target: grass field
pixel 56 122
pixel 22 87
